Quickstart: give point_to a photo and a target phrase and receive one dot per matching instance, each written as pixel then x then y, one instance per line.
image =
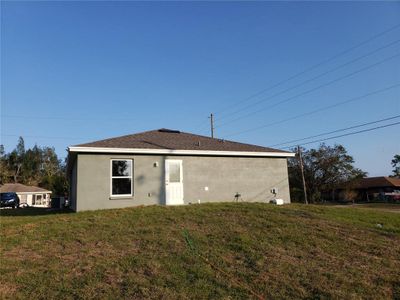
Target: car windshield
pixel 7 196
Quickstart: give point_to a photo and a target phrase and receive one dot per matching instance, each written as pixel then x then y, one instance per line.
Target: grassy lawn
pixel 231 251
pixel 393 207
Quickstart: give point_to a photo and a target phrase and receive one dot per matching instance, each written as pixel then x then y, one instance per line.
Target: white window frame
pixel 116 177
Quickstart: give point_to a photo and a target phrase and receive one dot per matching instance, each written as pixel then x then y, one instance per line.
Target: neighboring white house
pixel 28 195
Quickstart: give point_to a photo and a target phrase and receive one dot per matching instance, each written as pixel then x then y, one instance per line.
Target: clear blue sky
pixel 73 72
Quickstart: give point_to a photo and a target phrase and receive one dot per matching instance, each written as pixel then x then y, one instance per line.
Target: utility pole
pixel 302 174
pixel 212 125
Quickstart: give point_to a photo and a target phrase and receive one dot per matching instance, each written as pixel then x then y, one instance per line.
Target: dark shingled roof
pixel 175 140
pixel 375 182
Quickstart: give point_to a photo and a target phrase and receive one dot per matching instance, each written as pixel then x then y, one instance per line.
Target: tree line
pixel 37 166
pixel 326 169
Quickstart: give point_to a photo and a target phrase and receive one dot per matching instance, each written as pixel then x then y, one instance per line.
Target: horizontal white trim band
pixel 178 152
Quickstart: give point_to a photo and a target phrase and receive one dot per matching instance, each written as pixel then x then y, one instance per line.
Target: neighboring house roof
pixel 21 188
pixel 173 141
pixel 375 182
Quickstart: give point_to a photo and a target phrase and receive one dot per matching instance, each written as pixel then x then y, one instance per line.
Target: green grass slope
pixel 213 251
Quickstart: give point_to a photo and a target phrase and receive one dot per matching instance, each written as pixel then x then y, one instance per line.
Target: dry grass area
pixel 229 251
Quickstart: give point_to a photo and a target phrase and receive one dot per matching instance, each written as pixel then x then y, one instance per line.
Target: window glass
pixel 121 186
pixel 174 172
pixel 121 177
pixel 38 200
pixel 121 167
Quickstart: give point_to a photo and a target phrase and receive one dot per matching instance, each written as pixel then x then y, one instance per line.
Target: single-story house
pixel 172 167
pixel 373 188
pixel 28 195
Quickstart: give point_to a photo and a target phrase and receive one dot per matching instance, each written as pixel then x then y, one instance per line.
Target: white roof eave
pixel 178 152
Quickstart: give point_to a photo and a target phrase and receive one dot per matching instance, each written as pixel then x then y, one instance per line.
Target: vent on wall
pixel 168 130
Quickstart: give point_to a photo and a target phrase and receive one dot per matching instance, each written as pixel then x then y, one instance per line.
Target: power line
pixel 203 125
pixel 310 79
pixel 316 110
pixel 337 130
pixel 343 135
pixel 311 90
pixel 311 68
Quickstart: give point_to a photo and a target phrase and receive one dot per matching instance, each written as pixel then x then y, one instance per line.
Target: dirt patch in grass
pixel 7 290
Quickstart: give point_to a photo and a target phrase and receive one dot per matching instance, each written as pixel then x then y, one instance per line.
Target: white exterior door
pixel 173 182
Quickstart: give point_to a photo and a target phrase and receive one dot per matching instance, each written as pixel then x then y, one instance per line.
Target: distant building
pixel 374 188
pixel 28 195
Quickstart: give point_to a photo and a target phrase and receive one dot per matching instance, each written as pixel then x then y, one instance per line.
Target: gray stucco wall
pixel 252 177
pixel 73 185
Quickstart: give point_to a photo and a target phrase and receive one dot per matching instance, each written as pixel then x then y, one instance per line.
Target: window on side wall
pixel 121 177
pixel 38 200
